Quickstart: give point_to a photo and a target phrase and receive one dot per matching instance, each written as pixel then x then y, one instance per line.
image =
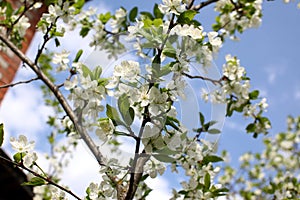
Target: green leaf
pixel 147 14
pixel 78 55
pixel 170 52
pixel 9 10
pixel 1 134
pixel 35 181
pixel 104 18
pixel 186 17
pixel 214 131
pixel 220 192
pixel 18 157
pixel 170 122
pixel 97 73
pixel 250 128
pixel 164 158
pixel 126 111
pixel 212 159
pixel 79 4
pixel 157 22
pixel 201 118
pixel 133 13
pixel 254 94
pixel 165 70
pixel 86 71
pixel 84 31
pixel 157 13
pixel 113 114
pixel 207 182
pixel 166 151
pixel 57 43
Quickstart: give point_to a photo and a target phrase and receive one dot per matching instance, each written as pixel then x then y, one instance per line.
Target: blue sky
pixel 270 55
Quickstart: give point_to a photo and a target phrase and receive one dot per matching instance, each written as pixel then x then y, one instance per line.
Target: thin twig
pixel 46 39
pixel 215 82
pixel 202 4
pixel 18 83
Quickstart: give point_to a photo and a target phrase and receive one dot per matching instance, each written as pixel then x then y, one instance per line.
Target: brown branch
pixel 47 179
pixel 63 102
pixel 68 110
pixel 215 82
pixel 202 4
pixel 18 83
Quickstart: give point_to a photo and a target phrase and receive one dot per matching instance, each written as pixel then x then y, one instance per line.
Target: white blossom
pixel 21 144
pixel 172 6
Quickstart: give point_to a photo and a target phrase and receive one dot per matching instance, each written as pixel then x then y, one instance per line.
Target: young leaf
pixel 211 158
pixel 186 17
pixel 104 18
pixel 157 13
pixel 214 131
pixel 254 94
pixel 133 14
pixel 113 114
pixel 97 72
pixel 86 71
pixel 78 55
pixel 18 157
pixel 1 134
pixel 126 111
pixel 57 43
pixel 35 181
pixel 207 181
pixel 164 158
pixel 201 118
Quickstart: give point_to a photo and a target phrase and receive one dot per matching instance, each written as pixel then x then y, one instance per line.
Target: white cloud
pixel 274 72
pixel 297 94
pixel 23 112
pixel 161 188
pixel 81 171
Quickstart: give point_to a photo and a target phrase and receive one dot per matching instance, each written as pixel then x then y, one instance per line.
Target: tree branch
pixel 18 83
pixel 202 4
pixel 215 82
pixel 63 102
pixel 47 179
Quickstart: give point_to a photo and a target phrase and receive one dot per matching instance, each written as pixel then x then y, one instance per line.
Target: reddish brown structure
pixel 9 63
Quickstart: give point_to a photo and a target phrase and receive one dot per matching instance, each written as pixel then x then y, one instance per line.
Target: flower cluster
pixel 238 15
pixel 86 92
pixel 101 191
pixel 271 174
pixel 62 10
pixel 194 160
pixel 235 92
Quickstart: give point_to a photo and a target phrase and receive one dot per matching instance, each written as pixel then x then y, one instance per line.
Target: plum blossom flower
pixel 116 23
pixel 62 60
pixel 172 6
pixel 29 159
pixel 189 30
pixel 106 129
pixel 21 144
pixel 154 167
pixel 128 70
pixel 93 191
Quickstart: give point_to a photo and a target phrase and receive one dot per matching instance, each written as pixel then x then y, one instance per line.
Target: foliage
pixel 168 39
